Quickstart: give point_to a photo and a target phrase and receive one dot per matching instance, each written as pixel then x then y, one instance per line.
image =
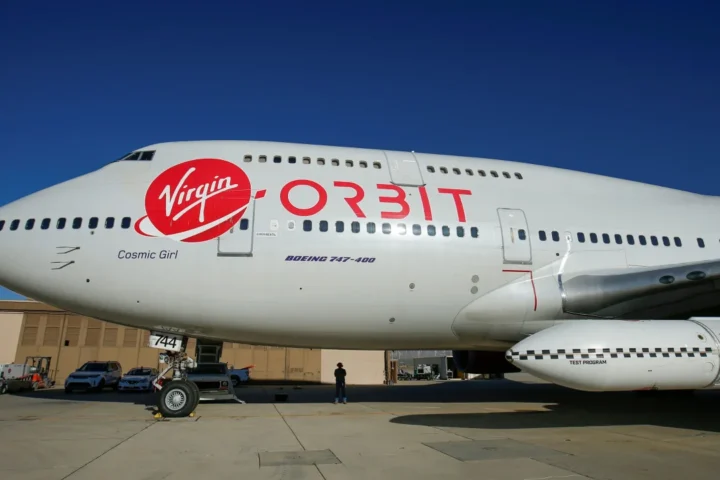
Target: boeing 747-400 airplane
pixel 510 265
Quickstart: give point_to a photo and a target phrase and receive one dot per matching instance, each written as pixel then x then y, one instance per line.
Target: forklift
pixel 35 376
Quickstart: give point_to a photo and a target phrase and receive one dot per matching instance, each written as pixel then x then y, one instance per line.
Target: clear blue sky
pixel 622 88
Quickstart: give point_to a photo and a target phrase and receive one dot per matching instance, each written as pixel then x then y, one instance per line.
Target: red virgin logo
pixel 195 201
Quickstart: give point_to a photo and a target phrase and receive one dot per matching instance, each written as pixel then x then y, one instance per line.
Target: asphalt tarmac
pixel 513 429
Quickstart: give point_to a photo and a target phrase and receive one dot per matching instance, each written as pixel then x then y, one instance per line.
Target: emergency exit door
pixel 238 241
pixel 515 236
pixel 404 169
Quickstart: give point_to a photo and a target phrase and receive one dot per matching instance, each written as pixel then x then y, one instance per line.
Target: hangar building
pixel 29 328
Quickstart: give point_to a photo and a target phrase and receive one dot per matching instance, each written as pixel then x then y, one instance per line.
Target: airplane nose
pixel 21 252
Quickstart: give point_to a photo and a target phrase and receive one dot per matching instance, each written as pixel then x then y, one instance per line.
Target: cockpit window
pixel 141 155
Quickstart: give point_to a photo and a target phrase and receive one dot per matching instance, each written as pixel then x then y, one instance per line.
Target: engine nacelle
pixel 474 361
pixel 621 355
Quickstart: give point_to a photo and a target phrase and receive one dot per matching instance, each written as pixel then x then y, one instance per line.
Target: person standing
pixel 340 374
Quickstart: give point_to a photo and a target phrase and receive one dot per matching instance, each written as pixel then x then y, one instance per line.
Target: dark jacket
pixel 340 375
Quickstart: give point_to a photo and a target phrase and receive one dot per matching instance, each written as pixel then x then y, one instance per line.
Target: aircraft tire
pixel 178 398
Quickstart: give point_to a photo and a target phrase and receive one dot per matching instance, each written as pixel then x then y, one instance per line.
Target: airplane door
pixel 404 169
pixel 238 241
pixel 515 236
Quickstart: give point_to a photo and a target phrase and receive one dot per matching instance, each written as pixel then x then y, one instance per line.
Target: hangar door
pixel 238 241
pixel 404 169
pixel 515 236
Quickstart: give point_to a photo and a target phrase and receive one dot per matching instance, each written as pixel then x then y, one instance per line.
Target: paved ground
pixel 501 429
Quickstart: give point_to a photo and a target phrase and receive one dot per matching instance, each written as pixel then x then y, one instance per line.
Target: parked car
pixel 240 375
pixel 94 376
pixel 138 379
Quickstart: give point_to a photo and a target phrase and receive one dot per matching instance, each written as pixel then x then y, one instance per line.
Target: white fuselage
pixel 271 281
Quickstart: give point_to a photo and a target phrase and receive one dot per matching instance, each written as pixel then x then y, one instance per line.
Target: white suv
pixel 94 376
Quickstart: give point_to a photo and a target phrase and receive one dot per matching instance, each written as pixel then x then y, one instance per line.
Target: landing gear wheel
pixel 178 398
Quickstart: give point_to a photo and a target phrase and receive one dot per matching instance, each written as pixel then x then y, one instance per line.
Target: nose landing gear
pixel 177 397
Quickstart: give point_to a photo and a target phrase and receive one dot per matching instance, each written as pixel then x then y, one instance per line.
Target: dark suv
pixel 94 376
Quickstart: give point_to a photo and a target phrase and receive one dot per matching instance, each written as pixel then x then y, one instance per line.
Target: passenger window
pixel 494 173
pixel 402 228
pixel 15 224
pixel 606 238
pixel 417 230
pixel 618 239
pixel 323 225
pixel 469 172
pixel 44 225
pixel 61 223
pixel 518 176
pixel 247 158
pixel 593 238
pixel 430 169
pixel 306 160
pixel 386 228
pixel 348 163
pixel 125 222
pixel 30 224
pixel 581 237
pixel 443 169
pixel 77 223
pixel 335 162
pixel 93 223
pixel 678 242
pixel 339 227
pixel 446 231
pixel 262 159
pixel 521 234
pixel 482 173
pixel 474 232
pixel 109 222
pixel 642 239
pixel 506 175
pixel 654 240
pixel 244 224
pixel 321 161
pixel 371 227
pixel 701 242
pixel 376 165
pixel 460 232
pixel 431 230
pixel 456 171
pixel 307 225
pixel 542 235
pixel 363 164
pixel 277 159
pixel 666 241
pixel 555 236
pixel 355 227
pixel 2 225
pixel 631 240
pixel 292 160
pixel 147 156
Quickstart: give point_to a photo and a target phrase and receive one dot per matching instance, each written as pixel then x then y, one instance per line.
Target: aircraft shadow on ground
pixel 541 405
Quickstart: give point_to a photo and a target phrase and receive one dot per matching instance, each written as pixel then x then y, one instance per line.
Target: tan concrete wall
pixel 71 340
pixel 10 327
pixel 364 367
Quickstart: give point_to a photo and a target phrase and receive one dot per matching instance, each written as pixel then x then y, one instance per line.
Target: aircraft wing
pixel 659 292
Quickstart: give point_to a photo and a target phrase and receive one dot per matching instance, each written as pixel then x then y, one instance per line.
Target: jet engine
pixel 474 361
pixel 623 355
